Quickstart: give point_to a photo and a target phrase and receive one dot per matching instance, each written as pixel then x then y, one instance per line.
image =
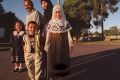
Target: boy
pixel 32 51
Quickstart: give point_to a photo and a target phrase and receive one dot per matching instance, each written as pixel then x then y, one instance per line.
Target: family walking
pixel 44 45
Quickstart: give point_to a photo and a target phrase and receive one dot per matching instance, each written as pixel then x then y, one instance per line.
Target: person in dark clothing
pixel 47 14
pixel 47 7
pixel 17 56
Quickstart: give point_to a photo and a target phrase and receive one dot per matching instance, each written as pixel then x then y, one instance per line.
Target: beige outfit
pixel 33 60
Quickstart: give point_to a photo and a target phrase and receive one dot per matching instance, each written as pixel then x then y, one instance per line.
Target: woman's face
pixel 58 15
pixel 44 4
pixel 18 26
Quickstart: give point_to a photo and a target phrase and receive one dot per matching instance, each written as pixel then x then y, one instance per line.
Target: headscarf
pixel 58 26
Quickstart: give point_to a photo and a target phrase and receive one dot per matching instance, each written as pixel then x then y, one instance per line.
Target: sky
pixel 114 19
pixel 17 7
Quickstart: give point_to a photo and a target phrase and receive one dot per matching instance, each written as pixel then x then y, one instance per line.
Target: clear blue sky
pixel 114 19
pixel 17 6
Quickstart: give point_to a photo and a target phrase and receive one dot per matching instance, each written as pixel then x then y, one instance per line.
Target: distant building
pixel 6 25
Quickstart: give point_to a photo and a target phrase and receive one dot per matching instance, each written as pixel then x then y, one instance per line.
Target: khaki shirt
pixel 34 16
pixel 27 45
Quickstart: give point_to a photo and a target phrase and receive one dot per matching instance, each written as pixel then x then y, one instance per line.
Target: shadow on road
pixel 103 65
pixel 98 66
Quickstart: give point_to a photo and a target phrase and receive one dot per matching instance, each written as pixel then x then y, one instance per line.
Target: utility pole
pixel 58 1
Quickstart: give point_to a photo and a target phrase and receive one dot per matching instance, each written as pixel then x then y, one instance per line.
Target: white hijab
pixel 58 26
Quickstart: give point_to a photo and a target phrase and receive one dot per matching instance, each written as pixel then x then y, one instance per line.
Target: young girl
pixel 32 50
pixel 58 43
pixel 17 56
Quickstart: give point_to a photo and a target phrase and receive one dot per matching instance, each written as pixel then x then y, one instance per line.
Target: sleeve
pixel 38 19
pixel 47 43
pixel 41 42
pixel 11 39
pixel 68 26
pixel 70 39
pixel 70 42
pixel 23 41
pixel 26 22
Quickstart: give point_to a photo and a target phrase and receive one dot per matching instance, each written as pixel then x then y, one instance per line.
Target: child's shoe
pixel 15 70
pixel 20 70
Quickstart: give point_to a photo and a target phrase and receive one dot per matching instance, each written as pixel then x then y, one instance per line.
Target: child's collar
pixel 15 33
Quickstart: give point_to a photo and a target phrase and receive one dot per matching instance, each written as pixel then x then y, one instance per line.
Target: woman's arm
pixel 23 43
pixel 70 42
pixel 47 42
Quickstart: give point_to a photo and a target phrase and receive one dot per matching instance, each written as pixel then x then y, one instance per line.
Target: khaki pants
pixel 33 63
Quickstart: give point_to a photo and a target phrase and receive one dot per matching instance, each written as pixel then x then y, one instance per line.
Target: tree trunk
pixel 58 1
pixel 116 35
pixel 77 33
pixel 102 26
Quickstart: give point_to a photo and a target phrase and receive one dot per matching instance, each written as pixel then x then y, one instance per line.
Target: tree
pixel 100 11
pixel 107 32
pixel 96 33
pixel 114 31
pixel 1 8
pixel 7 21
pixel 79 12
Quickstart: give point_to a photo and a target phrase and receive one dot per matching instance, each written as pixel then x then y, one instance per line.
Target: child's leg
pixel 20 66
pixel 15 67
pixel 29 61
pixel 38 69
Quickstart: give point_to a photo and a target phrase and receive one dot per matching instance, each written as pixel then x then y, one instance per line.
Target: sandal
pixel 20 70
pixel 15 70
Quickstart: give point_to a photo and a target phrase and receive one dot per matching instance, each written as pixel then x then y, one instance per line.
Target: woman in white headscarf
pixel 58 43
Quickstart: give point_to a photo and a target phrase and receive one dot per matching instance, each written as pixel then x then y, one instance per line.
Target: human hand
pixel 10 49
pixel 71 49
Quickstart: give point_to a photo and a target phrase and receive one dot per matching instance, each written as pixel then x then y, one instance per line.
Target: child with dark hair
pixel 32 50
pixel 17 56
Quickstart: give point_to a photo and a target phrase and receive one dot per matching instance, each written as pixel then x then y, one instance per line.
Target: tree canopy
pixel 1 7
pixel 80 12
pixel 114 30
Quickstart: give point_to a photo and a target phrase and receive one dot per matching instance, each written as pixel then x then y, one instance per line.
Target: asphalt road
pixel 88 62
